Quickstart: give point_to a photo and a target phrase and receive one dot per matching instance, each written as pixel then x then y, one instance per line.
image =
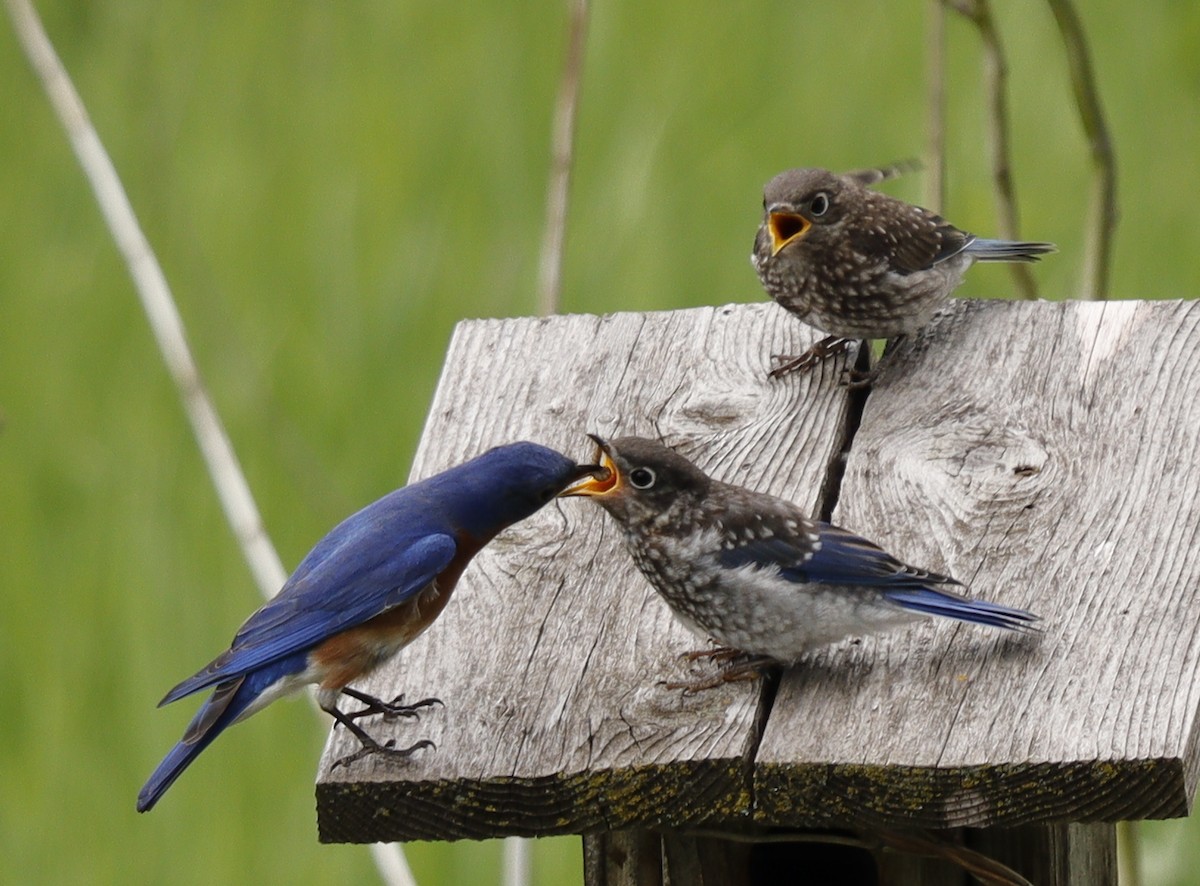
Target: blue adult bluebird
pixel 752 571
pixel 368 589
pixel 856 263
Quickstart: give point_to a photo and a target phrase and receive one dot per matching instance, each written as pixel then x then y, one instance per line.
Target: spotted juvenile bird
pixel 753 572
pixel 858 264
pixel 367 590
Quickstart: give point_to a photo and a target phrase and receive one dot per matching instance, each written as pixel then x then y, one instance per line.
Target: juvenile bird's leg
pixel 860 379
pixel 720 654
pixel 389 709
pixel 829 346
pixel 749 667
pixel 369 745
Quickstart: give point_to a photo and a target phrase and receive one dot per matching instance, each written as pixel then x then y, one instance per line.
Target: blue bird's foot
pixel 738 667
pixel 389 709
pixel 370 747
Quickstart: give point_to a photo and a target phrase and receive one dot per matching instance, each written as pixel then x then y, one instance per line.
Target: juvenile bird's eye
pixel 819 205
pixel 641 478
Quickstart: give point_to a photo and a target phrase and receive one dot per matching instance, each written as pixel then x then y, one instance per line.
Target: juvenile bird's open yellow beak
pixel 786 227
pixel 601 481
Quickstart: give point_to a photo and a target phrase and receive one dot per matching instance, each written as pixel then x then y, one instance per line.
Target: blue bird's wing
pixel 343 582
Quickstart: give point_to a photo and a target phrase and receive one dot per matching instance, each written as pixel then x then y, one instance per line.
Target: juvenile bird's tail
pixel 980 612
pixel 1008 250
pixel 214 716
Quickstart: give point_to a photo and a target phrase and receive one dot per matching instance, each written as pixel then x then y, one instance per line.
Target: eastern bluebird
pixel 858 264
pixel 367 590
pixel 752 571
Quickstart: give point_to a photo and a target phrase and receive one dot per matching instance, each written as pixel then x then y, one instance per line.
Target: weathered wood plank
pixel 550 655
pixel 1048 455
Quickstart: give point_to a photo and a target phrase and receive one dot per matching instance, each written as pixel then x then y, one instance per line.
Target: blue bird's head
pixel 504 486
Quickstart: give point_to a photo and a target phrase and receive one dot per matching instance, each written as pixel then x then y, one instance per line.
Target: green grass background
pixel 329 188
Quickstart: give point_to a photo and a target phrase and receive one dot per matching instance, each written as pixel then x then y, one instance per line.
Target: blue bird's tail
pixel 980 612
pixel 220 711
pixel 1007 250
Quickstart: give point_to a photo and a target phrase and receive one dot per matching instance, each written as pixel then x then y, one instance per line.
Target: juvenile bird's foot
pixel 389 709
pixel 370 747
pixel 738 667
pixel 830 346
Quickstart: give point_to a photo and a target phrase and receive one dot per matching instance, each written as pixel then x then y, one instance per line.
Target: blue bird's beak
pixel 603 479
pixel 785 228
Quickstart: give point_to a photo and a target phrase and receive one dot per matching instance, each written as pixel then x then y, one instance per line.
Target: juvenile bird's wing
pixel 912 238
pixel 845 558
pixel 838 557
pixel 820 552
pixel 344 582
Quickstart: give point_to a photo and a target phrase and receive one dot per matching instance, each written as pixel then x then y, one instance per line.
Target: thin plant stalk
pixel 562 157
pixel 995 72
pixel 935 85
pixel 1102 221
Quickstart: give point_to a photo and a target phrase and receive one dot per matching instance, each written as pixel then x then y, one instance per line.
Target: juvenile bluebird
pixel 752 571
pixel 858 264
pixel 367 590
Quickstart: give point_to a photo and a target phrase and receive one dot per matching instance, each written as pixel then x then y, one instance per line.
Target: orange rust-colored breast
pixel 354 653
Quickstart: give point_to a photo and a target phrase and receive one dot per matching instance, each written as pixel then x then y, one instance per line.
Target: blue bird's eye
pixel 819 205
pixel 641 478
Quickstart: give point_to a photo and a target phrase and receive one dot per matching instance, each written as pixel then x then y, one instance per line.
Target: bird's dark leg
pixel 739 666
pixel 370 746
pixel 389 709
pixel 830 346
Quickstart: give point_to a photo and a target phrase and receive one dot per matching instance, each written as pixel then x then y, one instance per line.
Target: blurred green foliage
pixel 329 188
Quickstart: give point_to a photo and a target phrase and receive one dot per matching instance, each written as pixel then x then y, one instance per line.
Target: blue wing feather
pixel 339 585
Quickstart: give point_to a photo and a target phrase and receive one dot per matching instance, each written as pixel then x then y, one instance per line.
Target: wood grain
pixel 550 655
pixel 1049 456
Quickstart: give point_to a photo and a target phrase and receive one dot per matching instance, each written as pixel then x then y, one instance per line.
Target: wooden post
pixel 1048 454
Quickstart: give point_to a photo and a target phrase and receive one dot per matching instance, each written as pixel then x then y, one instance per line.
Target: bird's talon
pixel 389 710
pixel 371 748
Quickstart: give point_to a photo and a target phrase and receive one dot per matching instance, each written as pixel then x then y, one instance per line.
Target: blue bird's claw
pixel 372 748
pixel 389 710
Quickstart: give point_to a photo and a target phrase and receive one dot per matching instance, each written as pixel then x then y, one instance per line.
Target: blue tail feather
pixel 216 714
pixel 980 612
